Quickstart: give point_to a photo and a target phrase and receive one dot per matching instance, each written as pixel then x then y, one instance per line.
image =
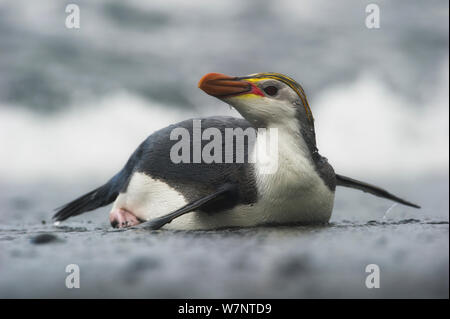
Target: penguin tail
pixel 374 190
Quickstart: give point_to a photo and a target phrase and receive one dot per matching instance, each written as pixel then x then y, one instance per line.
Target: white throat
pixel 294 187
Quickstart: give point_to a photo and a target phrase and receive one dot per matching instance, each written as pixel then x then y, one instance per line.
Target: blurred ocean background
pixel 74 104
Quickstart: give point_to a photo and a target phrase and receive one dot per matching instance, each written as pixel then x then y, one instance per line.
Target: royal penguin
pixel 261 169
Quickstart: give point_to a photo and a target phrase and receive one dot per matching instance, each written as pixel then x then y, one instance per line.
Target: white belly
pixel 294 193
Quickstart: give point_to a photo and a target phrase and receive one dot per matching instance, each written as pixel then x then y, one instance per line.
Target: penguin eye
pixel 271 90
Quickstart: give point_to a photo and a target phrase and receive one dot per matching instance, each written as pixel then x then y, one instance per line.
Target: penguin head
pixel 264 99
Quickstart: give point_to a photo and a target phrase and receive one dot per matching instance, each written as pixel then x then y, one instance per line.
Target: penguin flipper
pixel 220 194
pixel 102 196
pixel 374 190
pixel 94 199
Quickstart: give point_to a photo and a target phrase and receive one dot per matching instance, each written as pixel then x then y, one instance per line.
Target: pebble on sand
pixel 44 239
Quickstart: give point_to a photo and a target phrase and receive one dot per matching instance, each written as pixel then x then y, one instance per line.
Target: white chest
pixel 294 192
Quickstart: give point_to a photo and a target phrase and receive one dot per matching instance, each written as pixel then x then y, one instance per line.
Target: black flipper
pixel 222 193
pixel 374 190
pixel 101 196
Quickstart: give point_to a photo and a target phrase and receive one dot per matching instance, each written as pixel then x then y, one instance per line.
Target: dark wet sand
pixel 410 247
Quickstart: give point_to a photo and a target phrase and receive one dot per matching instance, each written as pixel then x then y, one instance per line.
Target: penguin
pixel 159 188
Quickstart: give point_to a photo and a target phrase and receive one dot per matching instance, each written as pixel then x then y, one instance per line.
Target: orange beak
pixel 221 85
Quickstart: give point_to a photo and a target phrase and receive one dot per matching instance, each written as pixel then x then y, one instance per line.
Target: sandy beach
pixel 410 247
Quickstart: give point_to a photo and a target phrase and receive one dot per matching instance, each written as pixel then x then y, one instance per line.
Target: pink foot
pixel 121 218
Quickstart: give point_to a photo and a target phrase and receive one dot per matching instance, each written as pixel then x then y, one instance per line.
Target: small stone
pixel 44 239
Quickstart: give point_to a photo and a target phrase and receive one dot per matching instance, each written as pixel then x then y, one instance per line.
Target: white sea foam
pixel 366 129
pixel 90 141
pixel 363 128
